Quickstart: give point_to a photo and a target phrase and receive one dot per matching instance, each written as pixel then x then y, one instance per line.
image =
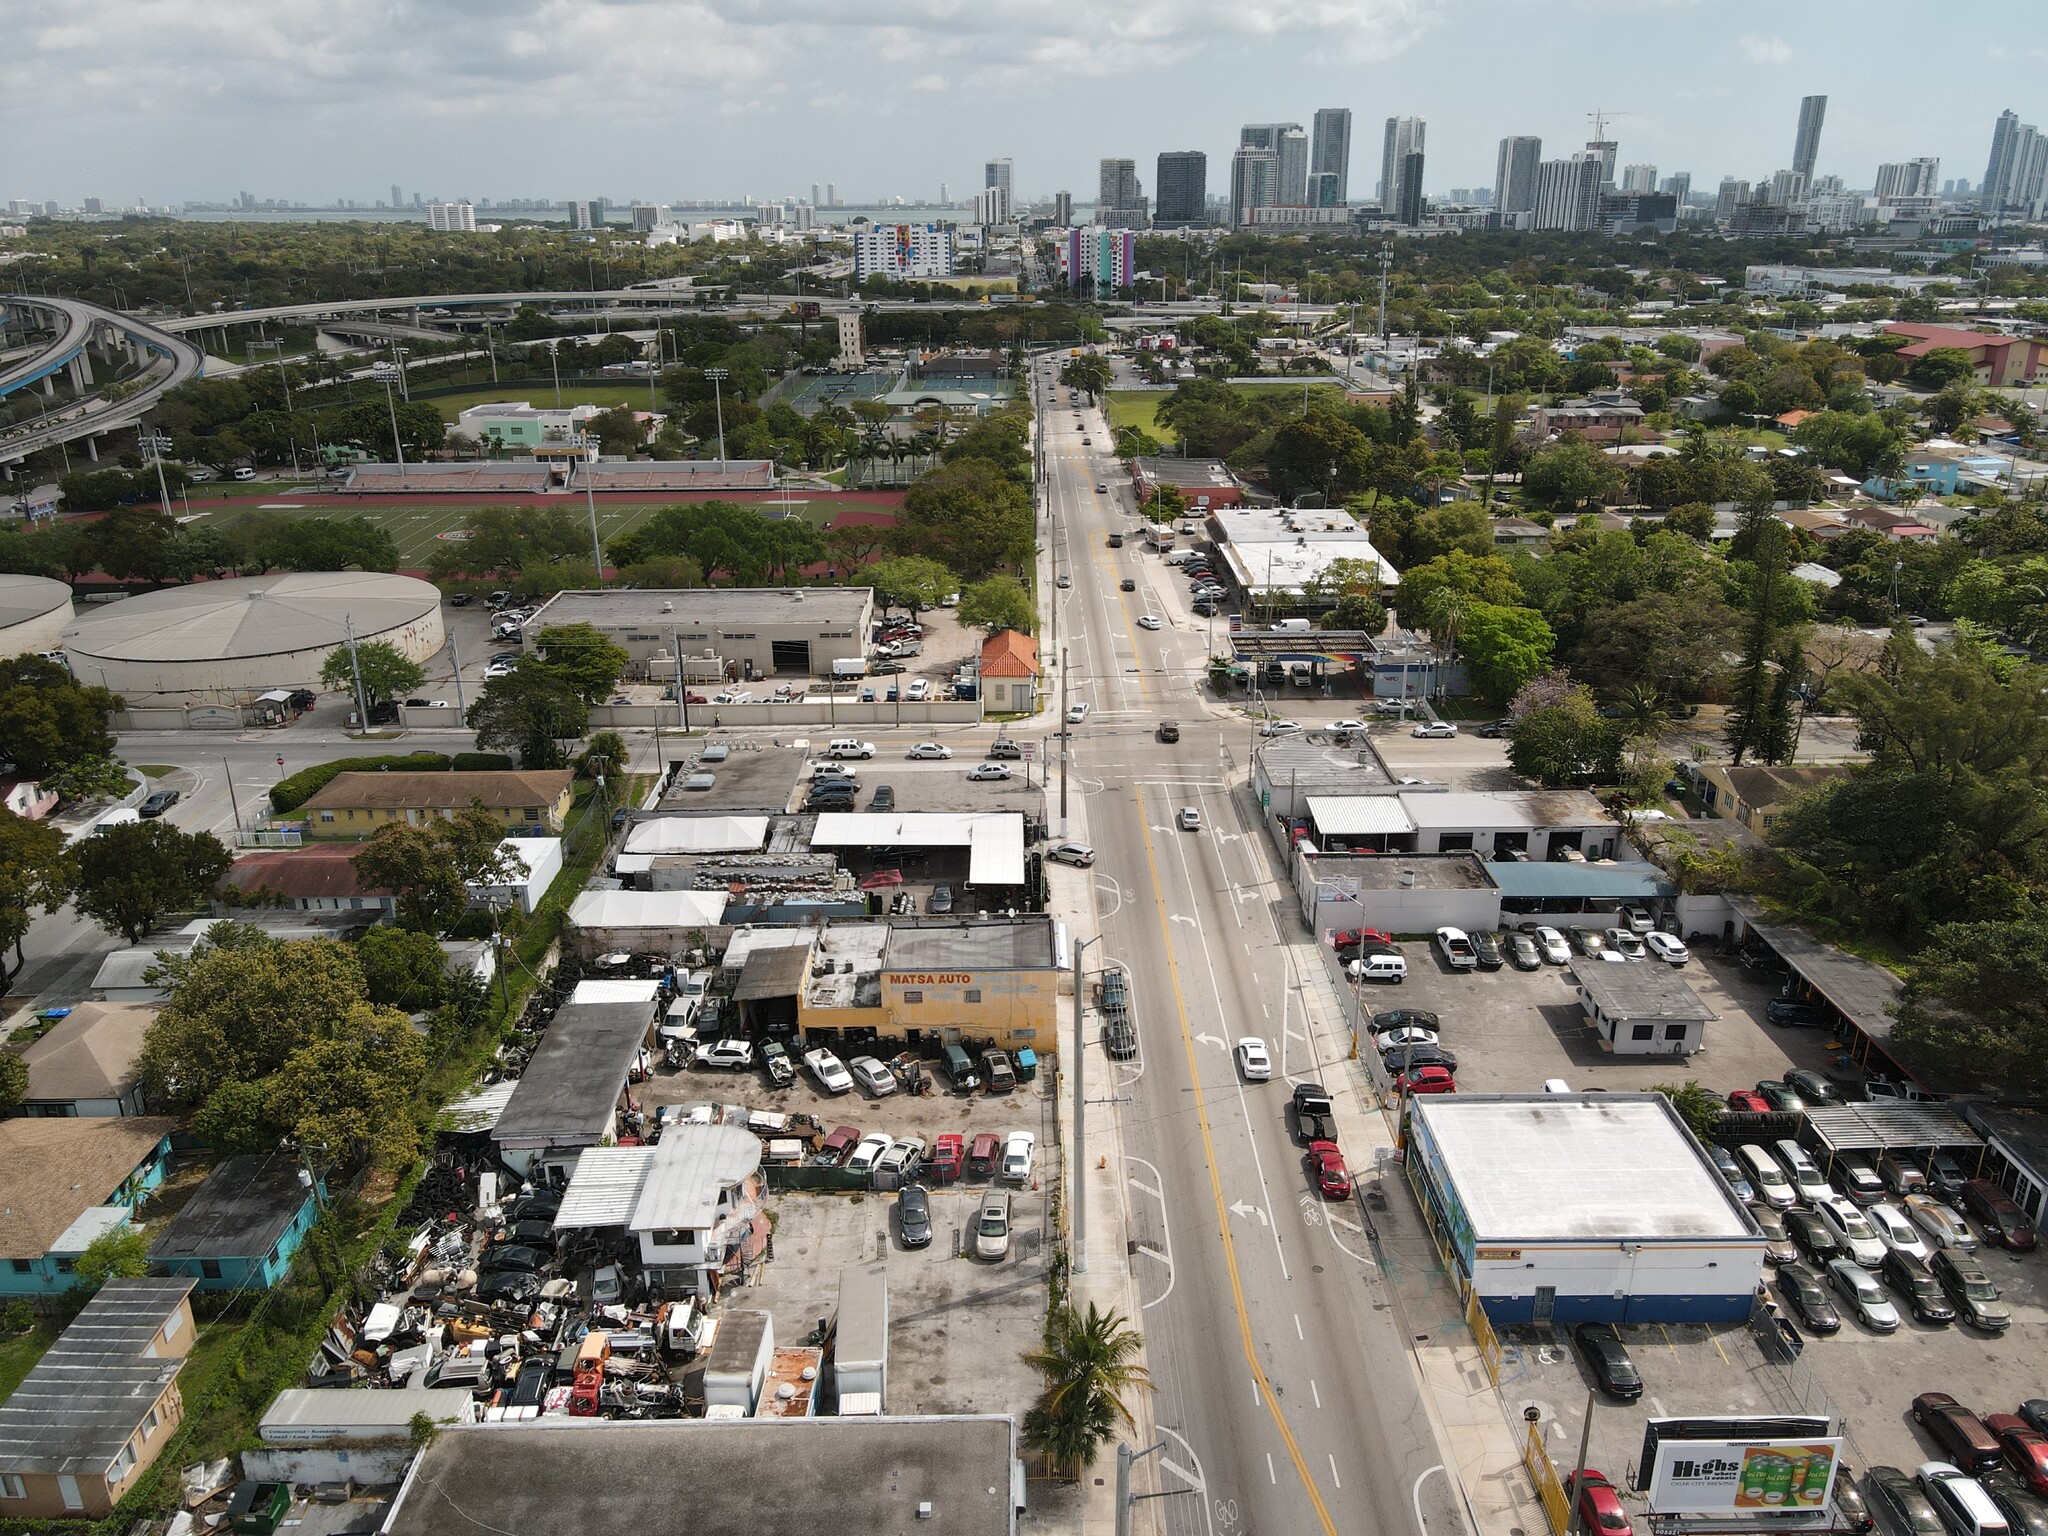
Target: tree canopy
pixel 133 875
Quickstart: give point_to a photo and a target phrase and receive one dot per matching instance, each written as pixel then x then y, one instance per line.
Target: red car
pixel 1747 1101
pixel 982 1155
pixel 2002 1220
pixel 948 1153
pixel 1351 938
pixel 1326 1165
pixel 1427 1080
pixel 840 1144
pixel 1600 1508
pixel 2026 1449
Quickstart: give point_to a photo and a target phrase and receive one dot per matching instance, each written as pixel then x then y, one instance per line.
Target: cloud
pixel 1766 50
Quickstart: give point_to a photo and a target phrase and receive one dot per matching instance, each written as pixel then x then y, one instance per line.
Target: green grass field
pixel 417 529
pixel 543 397
pixel 1135 408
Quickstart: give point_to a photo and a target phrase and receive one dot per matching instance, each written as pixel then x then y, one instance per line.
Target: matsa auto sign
pixel 1703 1477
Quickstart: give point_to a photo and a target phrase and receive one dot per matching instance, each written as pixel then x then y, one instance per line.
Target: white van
pixel 1772 1187
pixel 1380 968
pixel 1960 1500
pixel 1800 1168
pixel 850 746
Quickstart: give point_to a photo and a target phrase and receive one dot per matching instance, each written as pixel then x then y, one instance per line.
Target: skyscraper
pixel 1910 178
pixel 1063 210
pixel 1180 192
pixel 1117 202
pixel 1606 150
pixel 398 197
pixel 1813 110
pixel 1293 187
pixel 1514 176
pixel 1408 206
pixel 1404 138
pixel 995 177
pixel 831 195
pixel 1254 176
pixel 1639 178
pixel 1568 192
pixel 1733 195
pixel 1679 185
pixel 814 196
pixel 1329 165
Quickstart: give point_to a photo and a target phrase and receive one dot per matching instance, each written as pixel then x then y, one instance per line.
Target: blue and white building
pixel 903 252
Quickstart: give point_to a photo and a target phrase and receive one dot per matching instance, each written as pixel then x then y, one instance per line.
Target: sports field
pixel 419 528
pixel 1134 408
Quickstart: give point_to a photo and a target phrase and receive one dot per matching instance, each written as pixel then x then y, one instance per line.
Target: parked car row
pixel 1895 1200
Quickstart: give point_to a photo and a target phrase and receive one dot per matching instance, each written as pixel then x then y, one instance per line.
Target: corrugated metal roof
pixel 1625 882
pixel 254 616
pixel 994 840
pixel 604 1186
pixel 691 1167
pixel 1865 994
pixel 87 1396
pixel 697 834
pixel 306 1415
pixel 477 1110
pixel 1359 815
pixel 1875 1127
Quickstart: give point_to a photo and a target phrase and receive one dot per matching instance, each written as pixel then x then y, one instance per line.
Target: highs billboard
pixel 1747 1477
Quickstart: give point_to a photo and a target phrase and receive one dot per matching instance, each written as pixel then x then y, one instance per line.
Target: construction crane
pixel 1598 118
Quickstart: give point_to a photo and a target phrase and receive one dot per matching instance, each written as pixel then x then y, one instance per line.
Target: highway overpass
pixel 168 361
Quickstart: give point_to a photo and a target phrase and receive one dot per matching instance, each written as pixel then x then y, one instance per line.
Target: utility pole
pixel 1386 264
pixel 355 665
pixel 396 446
pixel 590 496
pixel 1064 730
pixel 1076 1157
pixel 1579 1474
pixel 1126 1500
pixel 718 376
pixel 455 656
pixel 234 805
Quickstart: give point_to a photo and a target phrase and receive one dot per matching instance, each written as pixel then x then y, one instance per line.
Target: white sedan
pixel 1148 621
pixel 989 771
pixel 501 666
pixel 872 1075
pixel 930 751
pixel 1666 947
pixel 869 1151
pixel 1252 1059
pixel 1279 727
pixel 1553 945
pixel 1436 729
pixel 1017 1149
pixel 832 1076
pixel 1076 713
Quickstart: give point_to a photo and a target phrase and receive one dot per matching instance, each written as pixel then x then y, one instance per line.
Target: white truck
pixel 850 666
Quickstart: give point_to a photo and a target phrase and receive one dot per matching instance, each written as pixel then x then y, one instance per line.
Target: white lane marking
pixel 1297 1328
pixel 1270 1472
pixel 1316 1393
pixel 1246 1208
pixel 1415 1494
pixel 1199 1482
pixel 1165 1229
pixel 1333 1470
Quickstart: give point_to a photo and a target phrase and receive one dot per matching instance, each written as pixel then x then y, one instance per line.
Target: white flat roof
pixel 697 834
pixel 1359 815
pixel 615 992
pixel 1603 1167
pixel 691 1167
pixel 994 840
pixel 647 909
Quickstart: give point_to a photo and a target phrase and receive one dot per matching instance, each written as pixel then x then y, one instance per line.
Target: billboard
pixel 1750 1477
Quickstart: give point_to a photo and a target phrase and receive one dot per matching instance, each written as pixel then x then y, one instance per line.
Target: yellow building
pixel 354 805
pixel 997 980
pixel 1754 793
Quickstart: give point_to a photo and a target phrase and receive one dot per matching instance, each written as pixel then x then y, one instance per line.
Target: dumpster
pixel 1027 1064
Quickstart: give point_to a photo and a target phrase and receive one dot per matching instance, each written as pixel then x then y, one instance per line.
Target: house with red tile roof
pixel 1009 672
pixel 1998 360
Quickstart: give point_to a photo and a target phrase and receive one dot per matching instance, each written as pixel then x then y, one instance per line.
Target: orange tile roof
pixel 1009 653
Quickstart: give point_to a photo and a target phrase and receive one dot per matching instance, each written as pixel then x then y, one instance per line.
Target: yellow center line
pixel 1244 1322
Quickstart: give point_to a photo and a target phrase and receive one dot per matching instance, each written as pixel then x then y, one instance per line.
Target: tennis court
pixel 809 395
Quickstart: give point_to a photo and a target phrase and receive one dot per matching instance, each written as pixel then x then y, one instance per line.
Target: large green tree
pixel 1572 477
pixel 1503 647
pixel 1558 738
pixel 967 516
pixel 1474 578
pixel 36 875
pixel 48 719
pixel 1976 1004
pixel 385 670
pixel 532 710
pixel 131 876
pixel 588 662
pixel 351 1088
pixel 997 603
pixel 1763 715
pixel 430 869
pixel 910 582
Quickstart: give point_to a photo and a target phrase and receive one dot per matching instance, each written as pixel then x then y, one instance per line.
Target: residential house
pixel 1998 361
pixel 568 1098
pixel 1597 419
pixel 1754 793
pixel 354 805
pixel 67 1181
pixel 28 799
pixel 1519 533
pixel 318 877
pixel 240 1230
pixel 1009 672
pixel 85 1065
pixel 99 1406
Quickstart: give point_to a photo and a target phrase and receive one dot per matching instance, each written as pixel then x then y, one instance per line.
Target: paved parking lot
pixel 1512 1030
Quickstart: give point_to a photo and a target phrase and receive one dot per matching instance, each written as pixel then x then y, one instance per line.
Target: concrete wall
pixel 41 633
pixel 1595 1281
pixel 232 677
pixel 369 1466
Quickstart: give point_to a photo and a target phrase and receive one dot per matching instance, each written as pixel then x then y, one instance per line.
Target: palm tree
pixel 1089 1369
pixel 1640 710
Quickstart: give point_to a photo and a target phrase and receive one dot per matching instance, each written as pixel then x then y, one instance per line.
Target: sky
pixel 166 101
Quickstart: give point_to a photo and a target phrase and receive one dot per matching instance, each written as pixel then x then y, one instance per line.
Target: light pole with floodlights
pixel 718 376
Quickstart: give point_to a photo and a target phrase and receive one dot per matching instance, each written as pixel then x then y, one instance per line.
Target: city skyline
pixel 200 113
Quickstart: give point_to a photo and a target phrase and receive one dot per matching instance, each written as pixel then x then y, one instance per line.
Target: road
pixel 174 362
pixel 1285 1395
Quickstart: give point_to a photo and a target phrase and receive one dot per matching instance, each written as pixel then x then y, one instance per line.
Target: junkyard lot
pixel 957 1325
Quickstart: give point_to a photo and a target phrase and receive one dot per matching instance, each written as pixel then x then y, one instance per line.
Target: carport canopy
pixel 1359 816
pixel 1883 1128
pixel 1864 994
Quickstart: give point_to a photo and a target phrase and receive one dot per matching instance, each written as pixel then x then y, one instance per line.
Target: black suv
pixel 1917 1287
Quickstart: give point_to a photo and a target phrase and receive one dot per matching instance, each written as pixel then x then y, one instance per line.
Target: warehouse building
pixel 723 632
pixel 236 639
pixel 1569 1208
pixel 34 613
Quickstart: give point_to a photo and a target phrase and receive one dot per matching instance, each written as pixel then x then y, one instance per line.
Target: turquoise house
pixel 65 1181
pixel 240 1230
